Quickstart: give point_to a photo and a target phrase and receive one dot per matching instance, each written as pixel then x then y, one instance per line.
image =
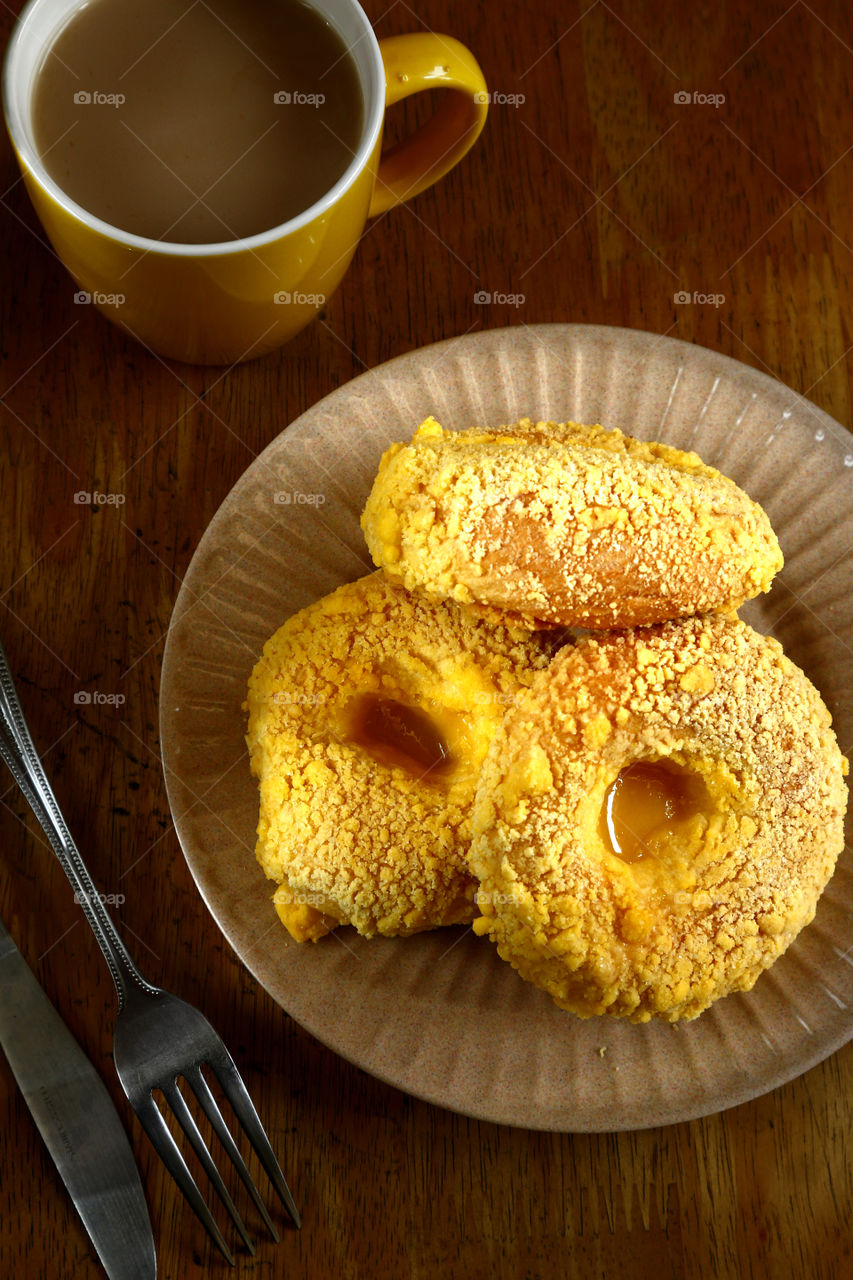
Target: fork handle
pixel 18 751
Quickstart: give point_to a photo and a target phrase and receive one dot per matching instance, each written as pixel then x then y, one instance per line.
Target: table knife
pixel 77 1119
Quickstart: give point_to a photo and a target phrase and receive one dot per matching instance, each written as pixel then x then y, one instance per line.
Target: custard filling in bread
pixel 648 807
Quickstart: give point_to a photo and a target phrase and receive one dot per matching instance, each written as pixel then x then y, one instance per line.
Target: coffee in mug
pixel 197 123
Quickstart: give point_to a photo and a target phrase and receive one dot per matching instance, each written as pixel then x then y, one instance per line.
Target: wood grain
pixel 596 199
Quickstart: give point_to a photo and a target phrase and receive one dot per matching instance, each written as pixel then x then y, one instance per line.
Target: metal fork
pixel 158 1037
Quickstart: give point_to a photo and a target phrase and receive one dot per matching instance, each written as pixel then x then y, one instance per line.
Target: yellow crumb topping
pixel 349 833
pixel 566 524
pixel 712 905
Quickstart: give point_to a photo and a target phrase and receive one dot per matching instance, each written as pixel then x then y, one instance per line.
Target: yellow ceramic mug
pixel 222 303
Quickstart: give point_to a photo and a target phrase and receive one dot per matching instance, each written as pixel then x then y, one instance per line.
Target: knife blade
pixel 77 1119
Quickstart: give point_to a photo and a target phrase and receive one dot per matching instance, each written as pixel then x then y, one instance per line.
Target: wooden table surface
pixel 593 196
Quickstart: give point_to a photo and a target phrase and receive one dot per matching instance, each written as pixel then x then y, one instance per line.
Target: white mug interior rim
pixel 40 23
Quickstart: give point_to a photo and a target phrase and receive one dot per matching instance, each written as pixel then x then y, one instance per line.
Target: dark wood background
pixel 597 198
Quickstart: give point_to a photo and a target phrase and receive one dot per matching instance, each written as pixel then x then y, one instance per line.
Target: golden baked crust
pixel 562 524
pixel 348 838
pixel 664 936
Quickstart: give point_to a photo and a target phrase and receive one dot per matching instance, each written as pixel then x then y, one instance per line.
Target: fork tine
pixel 208 1104
pixel 158 1131
pixel 222 1065
pixel 178 1104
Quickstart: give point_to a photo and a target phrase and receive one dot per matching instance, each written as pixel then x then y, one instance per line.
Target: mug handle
pixel 413 63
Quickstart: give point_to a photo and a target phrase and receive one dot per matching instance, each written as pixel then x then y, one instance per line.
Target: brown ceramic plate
pixel 440 1015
